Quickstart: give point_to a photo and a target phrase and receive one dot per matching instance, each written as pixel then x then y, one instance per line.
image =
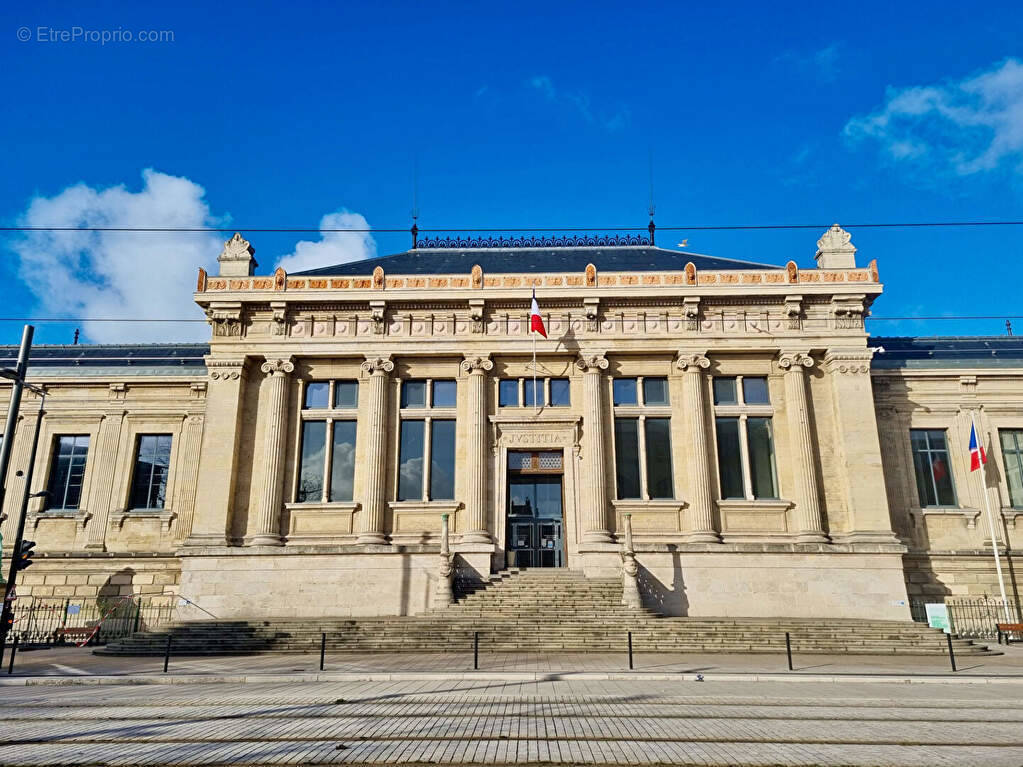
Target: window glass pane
pixel 442 460
pixel 729 458
pixel 410 460
pixel 528 391
pixel 931 464
pixel 68 472
pixel 342 461
pixel 508 392
pixel 936 439
pixel 658 458
pixel 413 393
pixel 624 390
pixel 627 456
pixel 316 393
pixel 443 393
pixel 149 482
pixel 560 392
pixel 754 391
pixel 310 473
pixel 655 391
pixel 346 394
pixel 943 478
pixel 761 457
pixel 725 392
pixel 1012 455
pixel 922 466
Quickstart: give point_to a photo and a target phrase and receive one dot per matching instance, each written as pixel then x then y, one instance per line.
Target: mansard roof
pixel 104 359
pixel 947 352
pixel 497 256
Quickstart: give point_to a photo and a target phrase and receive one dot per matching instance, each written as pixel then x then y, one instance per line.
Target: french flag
pixel 977 454
pixel 535 320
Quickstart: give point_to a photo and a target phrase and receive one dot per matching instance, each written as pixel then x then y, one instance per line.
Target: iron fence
pixel 44 619
pixel 968 617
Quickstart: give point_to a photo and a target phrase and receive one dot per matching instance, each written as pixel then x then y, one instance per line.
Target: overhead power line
pixel 478 230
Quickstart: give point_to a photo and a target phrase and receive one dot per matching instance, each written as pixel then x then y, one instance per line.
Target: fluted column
pixel 804 457
pixel 375 502
pixel 701 496
pixel 594 477
pixel 476 451
pixel 268 513
pixel 189 452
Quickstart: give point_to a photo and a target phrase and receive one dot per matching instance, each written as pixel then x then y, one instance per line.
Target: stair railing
pixel 630 569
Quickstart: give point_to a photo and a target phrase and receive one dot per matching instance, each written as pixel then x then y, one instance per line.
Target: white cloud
pixel 121 274
pixel 545 85
pixel 580 101
pixel 964 127
pixel 333 247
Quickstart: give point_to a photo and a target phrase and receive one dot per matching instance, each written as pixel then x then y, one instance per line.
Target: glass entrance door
pixel 535 525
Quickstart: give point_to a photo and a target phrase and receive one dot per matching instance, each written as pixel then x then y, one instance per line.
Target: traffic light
pixel 23 557
pixel 6 621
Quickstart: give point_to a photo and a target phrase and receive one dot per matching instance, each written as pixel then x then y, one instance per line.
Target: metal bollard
pixel 788 649
pixel 166 654
pixel 323 648
pixel 14 650
pixel 475 650
pixel 630 651
pixel 951 652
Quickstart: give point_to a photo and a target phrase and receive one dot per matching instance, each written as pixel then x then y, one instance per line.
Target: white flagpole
pixel 536 402
pixel 991 525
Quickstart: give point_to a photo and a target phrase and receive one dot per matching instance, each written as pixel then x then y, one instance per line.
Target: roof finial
pixel 75 342
pixel 415 203
pixel 650 209
pixel 1008 327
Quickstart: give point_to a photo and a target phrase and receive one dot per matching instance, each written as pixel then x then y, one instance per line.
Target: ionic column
pixel 701 497
pixel 268 513
pixel 594 463
pixel 476 451
pixel 804 457
pixel 375 428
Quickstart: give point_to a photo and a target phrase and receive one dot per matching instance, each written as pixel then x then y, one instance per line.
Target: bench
pixel 1006 629
pixel 76 635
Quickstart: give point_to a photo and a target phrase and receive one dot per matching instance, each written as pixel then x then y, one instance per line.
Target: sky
pixel 493 115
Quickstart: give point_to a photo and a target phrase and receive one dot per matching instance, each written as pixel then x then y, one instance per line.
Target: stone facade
pixel 841 534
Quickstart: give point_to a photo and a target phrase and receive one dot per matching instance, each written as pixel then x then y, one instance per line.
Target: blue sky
pixel 519 114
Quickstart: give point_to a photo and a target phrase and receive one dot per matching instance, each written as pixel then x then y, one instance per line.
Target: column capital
pixel 278 367
pixel 848 360
pixel 593 362
pixel 221 369
pixel 477 365
pixel 791 361
pixel 378 365
pixel 692 361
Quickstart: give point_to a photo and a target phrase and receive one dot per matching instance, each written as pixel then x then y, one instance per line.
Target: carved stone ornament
pixel 278 367
pixel 278 320
pixel 690 273
pixel 849 362
pixel 477 276
pixel 478 365
pixel 201 284
pixel 378 278
pixel 226 323
pixel 591 276
pixel 476 307
pixel 237 249
pixel 792 361
pixel 835 249
pixel 377 365
pixel 591 306
pixel 793 311
pixel 225 370
pixel 377 314
pixel 691 311
pixel 280 279
pixel 692 362
pixel 793 272
pixel 592 363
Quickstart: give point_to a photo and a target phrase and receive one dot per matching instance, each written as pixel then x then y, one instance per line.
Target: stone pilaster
pixel 476 450
pixel 214 506
pixel 20 451
pixel 859 448
pixel 373 424
pixel 630 569
pixel 105 460
pixel 594 474
pixel 701 496
pixel 268 513
pixel 188 463
pixel 804 455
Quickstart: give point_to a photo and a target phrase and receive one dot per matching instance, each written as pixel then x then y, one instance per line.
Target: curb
pixel 569 676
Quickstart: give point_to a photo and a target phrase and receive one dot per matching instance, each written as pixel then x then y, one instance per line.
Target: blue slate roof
pixel 124 359
pixel 643 258
pixel 947 351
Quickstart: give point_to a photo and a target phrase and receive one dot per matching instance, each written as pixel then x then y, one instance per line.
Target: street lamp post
pixel 17 375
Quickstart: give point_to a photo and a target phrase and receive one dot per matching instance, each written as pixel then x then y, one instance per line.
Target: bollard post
pixel 323 648
pixel 475 650
pixel 788 649
pixel 630 651
pixel 14 650
pixel 951 652
pixel 166 654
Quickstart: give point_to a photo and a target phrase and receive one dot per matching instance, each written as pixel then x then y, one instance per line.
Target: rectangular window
pixel 426 450
pixel 1012 455
pixel 725 391
pixel 745 438
pixel 754 391
pixel 550 392
pixel 413 393
pixel 730 458
pixel 342 462
pixel 149 480
pixel 508 392
pixel 623 391
pixel 410 461
pixel 442 459
pixel 627 457
pixel 532 392
pixel 655 391
pixel 346 395
pixel 310 473
pixel 761 457
pixel 933 470
pixel 444 394
pixel 316 393
pixel 643 465
pixel 68 472
pixel 560 392
pixel 658 458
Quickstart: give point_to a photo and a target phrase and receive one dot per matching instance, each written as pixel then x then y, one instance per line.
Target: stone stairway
pixel 544 611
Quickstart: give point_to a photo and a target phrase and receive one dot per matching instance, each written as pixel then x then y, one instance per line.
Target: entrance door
pixel 535 525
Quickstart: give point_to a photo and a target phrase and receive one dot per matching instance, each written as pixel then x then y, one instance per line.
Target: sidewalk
pixel 66 665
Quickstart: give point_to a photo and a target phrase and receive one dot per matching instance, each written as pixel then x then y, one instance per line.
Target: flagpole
pixel 536 402
pixel 991 525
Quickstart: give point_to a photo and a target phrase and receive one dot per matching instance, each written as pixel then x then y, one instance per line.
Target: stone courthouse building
pixel 773 458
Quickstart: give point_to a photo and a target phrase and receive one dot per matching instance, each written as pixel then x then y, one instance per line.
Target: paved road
pixel 504 723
